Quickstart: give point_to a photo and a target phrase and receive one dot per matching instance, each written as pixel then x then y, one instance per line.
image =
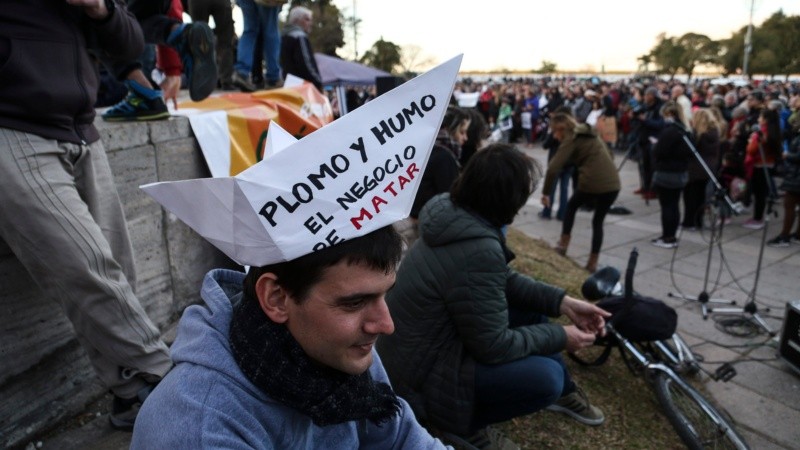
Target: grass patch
pixel 633 417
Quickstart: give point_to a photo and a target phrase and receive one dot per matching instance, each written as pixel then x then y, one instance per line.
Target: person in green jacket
pixel 472 345
pixel 598 180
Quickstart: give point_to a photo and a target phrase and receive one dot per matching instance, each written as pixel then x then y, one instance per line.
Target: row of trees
pixel 775 50
pixel 775 47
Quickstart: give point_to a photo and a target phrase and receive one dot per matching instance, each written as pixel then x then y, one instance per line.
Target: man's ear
pixel 272 297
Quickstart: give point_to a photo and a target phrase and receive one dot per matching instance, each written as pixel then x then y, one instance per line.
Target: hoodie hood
pixel 443 223
pixel 585 130
pixel 203 331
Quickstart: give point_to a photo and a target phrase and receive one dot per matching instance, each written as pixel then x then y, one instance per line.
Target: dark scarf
pixel 272 360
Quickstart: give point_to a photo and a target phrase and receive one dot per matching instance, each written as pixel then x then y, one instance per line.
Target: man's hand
pixel 546 201
pixel 585 315
pixel 96 9
pixel 170 87
pixel 577 339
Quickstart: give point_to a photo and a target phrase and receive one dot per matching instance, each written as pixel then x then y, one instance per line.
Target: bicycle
pixel 663 362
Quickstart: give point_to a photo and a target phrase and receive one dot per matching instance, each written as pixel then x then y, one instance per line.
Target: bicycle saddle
pixel 601 284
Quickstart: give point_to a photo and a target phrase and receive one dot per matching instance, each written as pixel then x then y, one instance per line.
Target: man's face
pixel 305 23
pixel 343 315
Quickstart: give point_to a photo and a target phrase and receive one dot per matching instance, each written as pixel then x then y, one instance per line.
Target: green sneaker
pixel 140 104
pixel 577 406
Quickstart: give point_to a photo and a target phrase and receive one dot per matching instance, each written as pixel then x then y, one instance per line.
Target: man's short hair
pixel 496 183
pixel 379 250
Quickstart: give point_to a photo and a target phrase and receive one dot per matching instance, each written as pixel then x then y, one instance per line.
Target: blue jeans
pixel 260 22
pixel 562 182
pixel 521 387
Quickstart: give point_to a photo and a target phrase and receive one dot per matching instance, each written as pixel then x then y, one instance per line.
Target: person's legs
pixel 563 191
pixel 271 40
pixel 603 203
pixel 669 200
pixel 61 216
pixel 250 32
pixel 694 198
pixel 517 388
pixel 222 13
pixel 578 198
pixel 760 189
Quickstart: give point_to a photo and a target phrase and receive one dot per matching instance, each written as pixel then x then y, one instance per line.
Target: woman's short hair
pixel 496 183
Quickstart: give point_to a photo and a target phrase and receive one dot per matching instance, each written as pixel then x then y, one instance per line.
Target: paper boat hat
pixel 353 176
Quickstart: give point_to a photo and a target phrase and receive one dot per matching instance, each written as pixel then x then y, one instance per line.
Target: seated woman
pixel 472 345
pixel 598 180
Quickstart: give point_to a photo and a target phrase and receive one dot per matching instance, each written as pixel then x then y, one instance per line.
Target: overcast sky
pixel 577 35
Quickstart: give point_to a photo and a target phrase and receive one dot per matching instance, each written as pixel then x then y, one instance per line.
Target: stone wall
pixel 45 376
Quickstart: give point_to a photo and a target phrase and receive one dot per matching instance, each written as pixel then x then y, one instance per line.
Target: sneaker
pixel 753 224
pixel 665 242
pixel 577 406
pixel 242 82
pixel 488 438
pixel 779 241
pixel 195 44
pixel 140 104
pixel 124 410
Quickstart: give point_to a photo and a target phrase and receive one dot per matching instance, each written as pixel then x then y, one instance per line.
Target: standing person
pixel 650 123
pixel 598 180
pixel 442 169
pixel 472 345
pixel 260 26
pixel 706 134
pixel 59 209
pixel 763 149
pixel 297 56
pixel 671 163
pixel 222 12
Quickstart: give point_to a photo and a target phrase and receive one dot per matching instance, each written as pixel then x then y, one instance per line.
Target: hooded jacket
pixel 450 309
pixel 596 171
pixel 207 402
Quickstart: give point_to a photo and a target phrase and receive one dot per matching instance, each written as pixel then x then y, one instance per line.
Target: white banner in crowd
pixel 353 176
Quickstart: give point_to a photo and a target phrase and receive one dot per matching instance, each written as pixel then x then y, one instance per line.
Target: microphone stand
pixel 720 196
pixel 750 309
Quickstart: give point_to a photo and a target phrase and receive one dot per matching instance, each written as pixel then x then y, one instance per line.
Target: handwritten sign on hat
pixel 352 176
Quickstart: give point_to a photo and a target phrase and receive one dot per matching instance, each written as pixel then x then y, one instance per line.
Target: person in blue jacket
pixel 284 357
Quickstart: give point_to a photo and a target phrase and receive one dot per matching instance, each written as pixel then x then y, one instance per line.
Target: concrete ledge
pixel 45 376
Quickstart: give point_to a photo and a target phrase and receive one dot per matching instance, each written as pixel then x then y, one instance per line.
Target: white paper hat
pixel 350 177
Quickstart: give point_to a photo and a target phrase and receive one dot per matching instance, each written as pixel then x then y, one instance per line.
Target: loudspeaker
pixel 386 84
pixel 789 348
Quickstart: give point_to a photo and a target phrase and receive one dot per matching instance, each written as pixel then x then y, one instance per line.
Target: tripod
pixel 750 308
pixel 720 198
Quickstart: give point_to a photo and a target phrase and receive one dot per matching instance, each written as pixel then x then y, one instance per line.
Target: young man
pixel 283 358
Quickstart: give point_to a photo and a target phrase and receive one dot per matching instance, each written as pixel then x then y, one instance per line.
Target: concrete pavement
pixel 764 397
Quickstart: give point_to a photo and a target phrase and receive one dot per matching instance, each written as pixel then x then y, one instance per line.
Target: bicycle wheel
pixel 699 424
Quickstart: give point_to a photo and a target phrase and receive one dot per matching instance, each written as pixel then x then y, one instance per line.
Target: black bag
pixel 648 319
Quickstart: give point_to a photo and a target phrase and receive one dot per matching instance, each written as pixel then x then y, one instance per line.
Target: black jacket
pixel 48 82
pixel 671 153
pixel 297 57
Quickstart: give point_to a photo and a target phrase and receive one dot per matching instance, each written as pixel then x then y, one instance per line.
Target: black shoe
pixel 195 44
pixel 124 410
pixel 140 104
pixel 779 241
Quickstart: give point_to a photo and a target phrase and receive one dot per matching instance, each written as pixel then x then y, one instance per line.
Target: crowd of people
pixel 346 347
pixel 745 135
